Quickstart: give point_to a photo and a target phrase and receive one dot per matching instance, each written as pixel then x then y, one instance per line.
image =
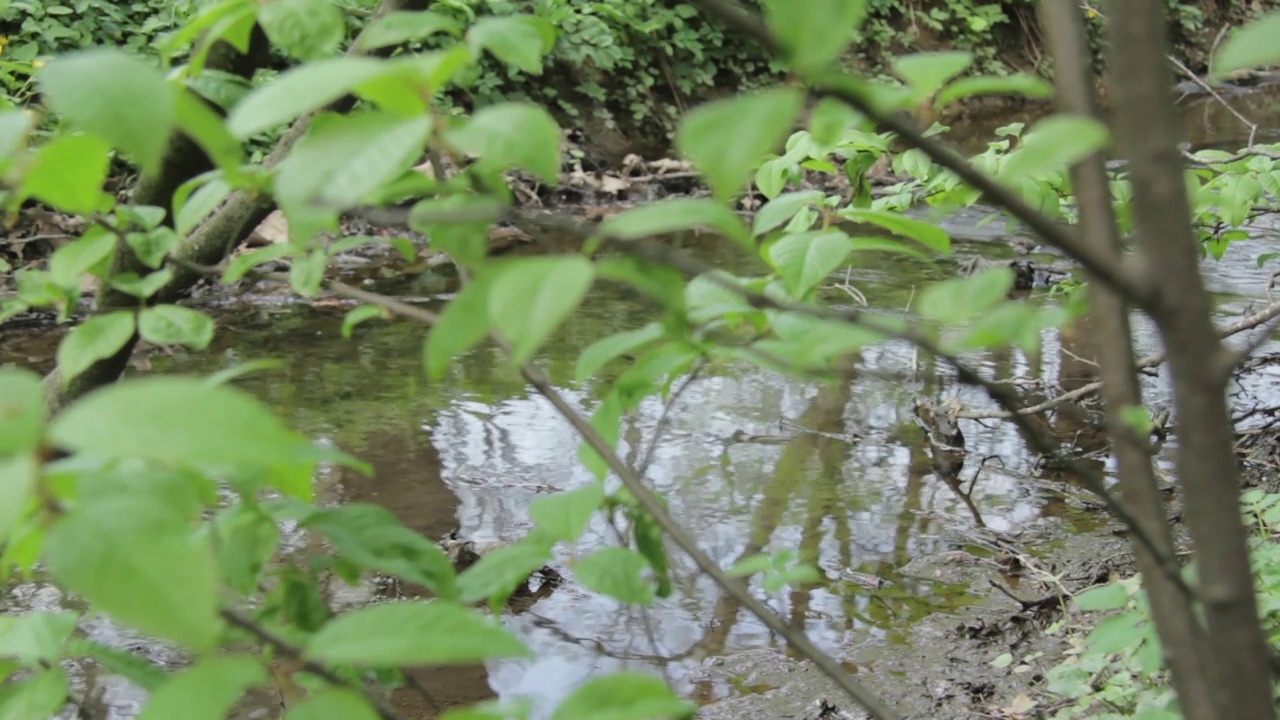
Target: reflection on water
pixel 749 462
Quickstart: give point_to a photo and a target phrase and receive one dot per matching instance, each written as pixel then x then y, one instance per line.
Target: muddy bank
pixel 942 665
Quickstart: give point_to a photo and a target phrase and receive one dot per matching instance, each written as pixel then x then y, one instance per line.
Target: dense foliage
pixel 636 65
pixel 161 501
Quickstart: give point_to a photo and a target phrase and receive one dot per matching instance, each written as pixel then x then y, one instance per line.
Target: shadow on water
pixel 750 462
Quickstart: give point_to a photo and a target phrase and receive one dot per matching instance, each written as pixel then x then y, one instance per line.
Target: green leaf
pixel 154 245
pixel 518 40
pixel 142 287
pixel 623 696
pixel 649 538
pixel 333 704
pixel 727 139
pixel 203 201
pixel 132 559
pixel 1118 633
pixel 772 176
pixel 299 90
pixel 930 236
pixel 779 211
pixel 459 225
pixel 133 668
pixel 815 33
pixel 100 90
pixel 1250 46
pixel 531 297
pixel 176 325
pixel 21 411
pixel 808 340
pixel 670 216
pixel 306 274
pixel 247 540
pixel 460 327
pixel 878 244
pixel 745 567
pixel 397 28
pixel 711 295
pixel 68 173
pixel 403 246
pixel 371 537
pixel 566 515
pixel 306 29
pixel 1016 84
pixel 82 255
pixel 499 572
pixel 207 691
pixel 15 126
pixel 660 283
pixel 152 417
pixel 413 634
pixel 95 339
pixel 240 265
pixel 600 352
pixel 360 314
pixel 343 159
pixel 829 120
pixel 1111 596
pixel 218 88
pixel 209 131
pixel 961 299
pixel 617 572
pixel 606 420
pixel 36 637
pixel 511 134
pixel 927 72
pixel 1055 144
pixel 18 477
pixel 38 697
pixel 1005 324
pixel 806 259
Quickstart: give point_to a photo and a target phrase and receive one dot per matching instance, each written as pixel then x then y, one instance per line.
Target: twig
pixel 290 651
pixel 1253 127
pixel 1239 355
pixel 688 380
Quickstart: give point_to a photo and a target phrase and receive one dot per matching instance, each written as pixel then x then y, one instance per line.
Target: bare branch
pixel 643 468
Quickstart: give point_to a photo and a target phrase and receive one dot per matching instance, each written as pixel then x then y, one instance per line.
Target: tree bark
pixel 1181 633
pixel 1240 677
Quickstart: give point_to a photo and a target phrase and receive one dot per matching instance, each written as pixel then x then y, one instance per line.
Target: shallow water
pixel 748 461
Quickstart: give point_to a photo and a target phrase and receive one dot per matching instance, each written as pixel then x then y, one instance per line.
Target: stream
pixel 749 461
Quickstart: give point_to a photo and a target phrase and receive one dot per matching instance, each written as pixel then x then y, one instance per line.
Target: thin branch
pixel 688 380
pixel 1269 313
pixel 1239 355
pixel 1253 127
pixel 654 507
pixel 292 652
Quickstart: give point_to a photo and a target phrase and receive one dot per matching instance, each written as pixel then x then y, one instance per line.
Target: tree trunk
pixel 1238 658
